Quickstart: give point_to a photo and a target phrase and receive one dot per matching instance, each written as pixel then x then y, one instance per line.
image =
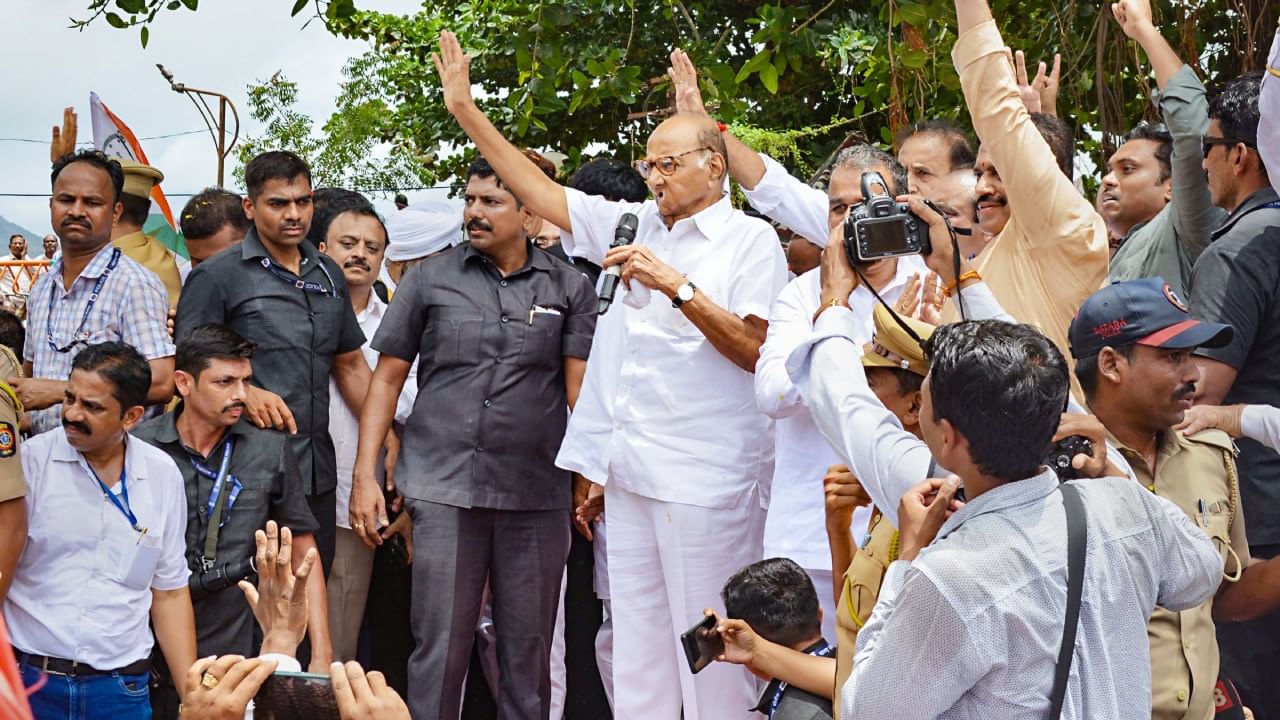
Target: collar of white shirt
pixel 135 467
pixel 712 221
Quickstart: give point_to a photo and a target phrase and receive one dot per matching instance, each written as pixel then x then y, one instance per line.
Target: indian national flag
pixel 113 137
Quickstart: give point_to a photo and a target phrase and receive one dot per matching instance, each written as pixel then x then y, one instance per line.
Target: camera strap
pixel 955 260
pixel 221 498
pixel 1077 544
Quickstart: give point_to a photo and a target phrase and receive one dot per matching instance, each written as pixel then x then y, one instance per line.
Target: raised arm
pixel 745 164
pixel 543 195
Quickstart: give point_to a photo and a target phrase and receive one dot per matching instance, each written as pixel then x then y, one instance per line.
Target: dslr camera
pixel 882 228
pixel 1064 451
pixel 209 580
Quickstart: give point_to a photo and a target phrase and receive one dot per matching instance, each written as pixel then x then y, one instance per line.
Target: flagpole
pixel 219 135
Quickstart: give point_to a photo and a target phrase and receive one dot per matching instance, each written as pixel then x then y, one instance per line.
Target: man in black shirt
pixel 238 473
pixel 501 331
pixel 291 301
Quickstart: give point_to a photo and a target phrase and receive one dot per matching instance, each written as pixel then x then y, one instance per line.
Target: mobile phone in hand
pixel 296 696
pixel 702 644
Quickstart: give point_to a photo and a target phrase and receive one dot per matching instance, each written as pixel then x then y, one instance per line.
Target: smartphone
pixel 702 644
pixel 296 696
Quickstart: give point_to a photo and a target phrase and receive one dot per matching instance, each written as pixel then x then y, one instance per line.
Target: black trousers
pixel 1250 653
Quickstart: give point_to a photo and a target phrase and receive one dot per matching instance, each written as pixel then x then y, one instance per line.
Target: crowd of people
pixel 1029 469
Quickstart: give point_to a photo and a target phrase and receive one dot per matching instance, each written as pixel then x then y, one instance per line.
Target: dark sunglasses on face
pixel 1208 141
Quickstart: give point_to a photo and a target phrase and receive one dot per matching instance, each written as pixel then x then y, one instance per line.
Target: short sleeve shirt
pixel 298 333
pixel 131 307
pixel 271 489
pixel 491 407
pixel 12 484
pixel 1237 281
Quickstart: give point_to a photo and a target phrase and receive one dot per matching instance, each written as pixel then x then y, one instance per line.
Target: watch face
pixel 685 292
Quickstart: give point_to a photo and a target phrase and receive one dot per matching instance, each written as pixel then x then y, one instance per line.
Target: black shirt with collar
pixel 298 334
pixel 491 409
pixel 796 704
pixel 272 490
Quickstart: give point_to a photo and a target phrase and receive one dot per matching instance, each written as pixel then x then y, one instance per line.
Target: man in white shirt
pixel 667 417
pixel 802 455
pixel 105 551
pixel 356 239
pixel 978 610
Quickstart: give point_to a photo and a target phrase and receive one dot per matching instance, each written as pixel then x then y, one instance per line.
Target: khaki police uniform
pixel 12 483
pixel 1198 474
pixel 143 249
pixel 890 347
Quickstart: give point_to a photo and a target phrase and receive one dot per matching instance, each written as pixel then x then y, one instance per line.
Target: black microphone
pixel 624 234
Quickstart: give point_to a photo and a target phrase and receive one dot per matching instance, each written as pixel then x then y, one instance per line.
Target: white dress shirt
pixel 980 612
pixel 791 202
pixel 344 425
pixel 1269 114
pixel 662 412
pixel 802 455
pixel 67 599
pixel 1261 423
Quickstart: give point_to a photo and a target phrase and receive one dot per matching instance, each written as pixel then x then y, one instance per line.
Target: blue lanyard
pixel 825 650
pixel 218 481
pixel 123 507
pixel 79 336
pixel 303 285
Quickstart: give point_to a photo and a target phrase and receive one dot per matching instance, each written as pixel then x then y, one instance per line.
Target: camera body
pixel 882 228
pixel 1063 451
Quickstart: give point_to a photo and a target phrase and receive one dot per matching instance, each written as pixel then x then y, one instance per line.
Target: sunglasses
pixel 665 165
pixel 1208 141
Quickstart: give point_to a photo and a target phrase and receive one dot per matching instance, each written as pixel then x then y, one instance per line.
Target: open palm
pixel 454 68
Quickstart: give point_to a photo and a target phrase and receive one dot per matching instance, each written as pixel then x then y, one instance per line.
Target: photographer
pixel 990 408
pixel 237 477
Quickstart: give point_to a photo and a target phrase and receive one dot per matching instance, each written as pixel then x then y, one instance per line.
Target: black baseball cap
pixel 1145 312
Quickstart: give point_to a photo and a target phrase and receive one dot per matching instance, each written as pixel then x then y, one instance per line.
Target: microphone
pixel 624 234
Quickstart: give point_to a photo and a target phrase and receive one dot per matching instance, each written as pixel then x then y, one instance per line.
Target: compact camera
pixel 882 228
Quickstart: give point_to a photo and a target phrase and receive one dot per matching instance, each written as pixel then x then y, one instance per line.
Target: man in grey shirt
pixel 1156 166
pixel 501 331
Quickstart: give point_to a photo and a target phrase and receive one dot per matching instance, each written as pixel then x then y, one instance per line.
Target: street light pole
pixel 218 129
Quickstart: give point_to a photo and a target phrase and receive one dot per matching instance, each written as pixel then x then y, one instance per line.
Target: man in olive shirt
pixel 1133 343
pixel 292 302
pixel 501 331
pixel 242 476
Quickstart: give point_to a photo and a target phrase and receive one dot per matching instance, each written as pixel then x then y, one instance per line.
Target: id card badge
pixel 133 557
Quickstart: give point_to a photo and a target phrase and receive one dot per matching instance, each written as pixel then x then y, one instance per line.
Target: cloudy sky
pixel 224 46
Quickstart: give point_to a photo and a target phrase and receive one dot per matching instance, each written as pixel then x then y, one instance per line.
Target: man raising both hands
pixel 666 419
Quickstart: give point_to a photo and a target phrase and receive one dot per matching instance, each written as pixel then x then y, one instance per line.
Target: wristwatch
pixel 684 294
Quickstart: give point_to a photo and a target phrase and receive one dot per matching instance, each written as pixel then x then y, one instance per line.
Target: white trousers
pixel 600 583
pixel 668 561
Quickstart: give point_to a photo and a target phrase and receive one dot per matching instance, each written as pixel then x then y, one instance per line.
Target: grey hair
pixel 869 158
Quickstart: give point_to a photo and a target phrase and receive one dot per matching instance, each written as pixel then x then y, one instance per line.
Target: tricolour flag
pixel 113 137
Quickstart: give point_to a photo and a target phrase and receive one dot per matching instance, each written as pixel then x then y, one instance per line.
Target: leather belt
pixel 71 668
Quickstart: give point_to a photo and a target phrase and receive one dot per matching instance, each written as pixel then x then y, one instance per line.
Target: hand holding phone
pixel 702 643
pixel 296 696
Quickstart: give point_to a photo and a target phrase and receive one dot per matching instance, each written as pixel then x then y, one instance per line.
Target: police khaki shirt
pixel 1198 475
pixel 861 588
pixel 12 483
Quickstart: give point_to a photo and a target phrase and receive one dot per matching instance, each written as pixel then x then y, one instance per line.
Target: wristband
pixel 968 275
pixel 833 302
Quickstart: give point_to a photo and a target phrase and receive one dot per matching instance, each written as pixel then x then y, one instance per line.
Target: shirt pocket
pixel 453 336
pixel 326 317
pixel 542 339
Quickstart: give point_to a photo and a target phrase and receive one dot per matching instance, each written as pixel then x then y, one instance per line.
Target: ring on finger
pixel 209 680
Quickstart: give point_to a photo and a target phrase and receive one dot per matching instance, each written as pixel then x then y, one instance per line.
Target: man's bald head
pixel 697 131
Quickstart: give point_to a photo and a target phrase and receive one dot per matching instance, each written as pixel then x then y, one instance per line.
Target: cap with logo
pixel 892 347
pixel 139 178
pixel 1144 312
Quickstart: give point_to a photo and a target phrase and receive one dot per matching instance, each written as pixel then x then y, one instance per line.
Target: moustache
pixel 79 427
pixel 356 262
pixel 233 406
pixel 479 225
pixel 72 222
pixel 1185 391
pixel 992 199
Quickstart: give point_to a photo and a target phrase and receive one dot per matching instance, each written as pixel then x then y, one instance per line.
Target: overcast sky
pixel 224 46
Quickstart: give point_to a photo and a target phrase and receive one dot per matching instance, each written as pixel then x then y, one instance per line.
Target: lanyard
pixel 824 650
pixel 218 509
pixel 303 285
pixel 123 507
pixel 79 336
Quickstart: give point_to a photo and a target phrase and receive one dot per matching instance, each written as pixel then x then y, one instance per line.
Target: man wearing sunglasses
pixel 666 419
pixel 1234 282
pixel 1154 194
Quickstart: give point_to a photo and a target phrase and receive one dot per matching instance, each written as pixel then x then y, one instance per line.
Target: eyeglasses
pixel 1208 141
pixel 665 165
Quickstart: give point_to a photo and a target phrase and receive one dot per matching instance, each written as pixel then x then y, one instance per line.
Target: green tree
pixel 585 76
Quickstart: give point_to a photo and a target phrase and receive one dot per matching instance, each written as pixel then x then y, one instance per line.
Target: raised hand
pixel 684 77
pixel 922 511
pixel 64 138
pixel 1134 17
pixel 454 68
pixel 1047 85
pixel 842 493
pixel 1030 96
pixel 279 602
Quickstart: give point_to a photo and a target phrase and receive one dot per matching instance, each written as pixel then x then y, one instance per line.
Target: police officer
pixel 135 196
pixel 1133 342
pixel 13 487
